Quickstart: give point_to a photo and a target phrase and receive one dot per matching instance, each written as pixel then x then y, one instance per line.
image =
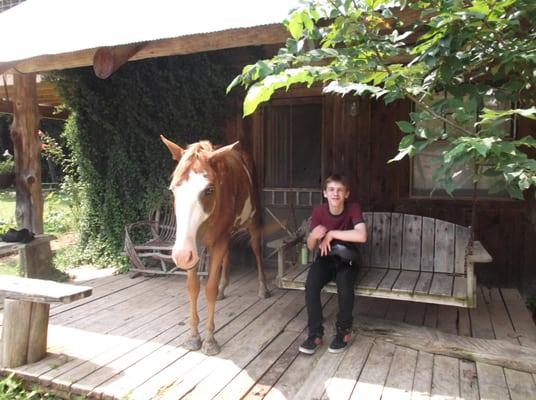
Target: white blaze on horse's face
pixel 190 215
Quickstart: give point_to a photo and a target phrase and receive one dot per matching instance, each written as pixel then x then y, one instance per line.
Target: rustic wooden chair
pixel 407 257
pixel 153 256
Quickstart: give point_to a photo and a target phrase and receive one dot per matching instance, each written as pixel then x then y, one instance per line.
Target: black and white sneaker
pixel 340 341
pixel 310 344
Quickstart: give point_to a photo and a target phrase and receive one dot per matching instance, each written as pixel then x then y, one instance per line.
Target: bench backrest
pixel 412 242
pixel 164 218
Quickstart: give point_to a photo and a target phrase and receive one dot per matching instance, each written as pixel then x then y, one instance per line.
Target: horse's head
pixel 194 185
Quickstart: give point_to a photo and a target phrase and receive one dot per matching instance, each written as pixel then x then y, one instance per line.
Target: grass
pixel 7 207
pixel 57 217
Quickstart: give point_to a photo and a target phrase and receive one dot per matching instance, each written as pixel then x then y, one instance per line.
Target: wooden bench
pixel 26 312
pixel 153 256
pixel 407 257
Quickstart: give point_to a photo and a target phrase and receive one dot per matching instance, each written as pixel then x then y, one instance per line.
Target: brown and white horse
pixel 214 196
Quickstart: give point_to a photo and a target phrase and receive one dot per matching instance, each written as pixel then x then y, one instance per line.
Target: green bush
pixel 7 164
pixel 119 168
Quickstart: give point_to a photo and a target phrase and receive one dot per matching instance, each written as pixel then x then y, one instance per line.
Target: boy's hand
pixel 318 232
pixel 325 244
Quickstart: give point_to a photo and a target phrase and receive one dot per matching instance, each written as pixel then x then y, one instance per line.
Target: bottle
pixel 304 254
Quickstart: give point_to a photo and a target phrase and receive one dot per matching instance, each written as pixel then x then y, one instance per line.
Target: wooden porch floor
pixel 125 342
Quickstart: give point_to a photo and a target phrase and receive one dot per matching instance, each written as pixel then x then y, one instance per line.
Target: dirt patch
pixel 66 239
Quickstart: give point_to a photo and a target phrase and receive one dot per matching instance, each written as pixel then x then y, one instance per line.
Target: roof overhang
pixel 58 34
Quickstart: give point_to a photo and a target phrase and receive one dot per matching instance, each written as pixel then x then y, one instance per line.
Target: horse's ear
pixel 175 149
pixel 224 149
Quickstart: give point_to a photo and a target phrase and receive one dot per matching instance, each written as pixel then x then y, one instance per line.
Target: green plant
pixel 58 216
pixel 8 164
pixel 118 167
pixel 12 388
pixel 471 50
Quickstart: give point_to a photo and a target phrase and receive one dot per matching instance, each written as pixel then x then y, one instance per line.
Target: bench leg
pixel 24 335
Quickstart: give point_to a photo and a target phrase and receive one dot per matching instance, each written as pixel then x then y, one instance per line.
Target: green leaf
pixel 295 25
pixel 405 126
pixel 400 155
pixel 406 141
pixel 257 94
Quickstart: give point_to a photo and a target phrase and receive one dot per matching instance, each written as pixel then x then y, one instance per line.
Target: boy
pixel 343 221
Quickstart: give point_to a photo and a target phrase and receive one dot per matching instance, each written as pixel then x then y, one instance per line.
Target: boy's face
pixel 336 193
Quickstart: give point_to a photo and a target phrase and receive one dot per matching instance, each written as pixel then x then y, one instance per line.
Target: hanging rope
pixel 470 243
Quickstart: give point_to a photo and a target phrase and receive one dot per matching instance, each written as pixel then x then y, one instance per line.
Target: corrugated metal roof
pixel 46 27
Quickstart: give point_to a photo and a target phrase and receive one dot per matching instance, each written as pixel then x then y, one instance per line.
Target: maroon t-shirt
pixel 350 217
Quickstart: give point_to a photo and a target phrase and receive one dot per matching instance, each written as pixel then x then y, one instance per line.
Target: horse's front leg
pixel 192 282
pixel 210 347
pixel 255 242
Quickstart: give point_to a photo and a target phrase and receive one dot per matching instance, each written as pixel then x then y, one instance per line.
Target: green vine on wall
pixel 120 166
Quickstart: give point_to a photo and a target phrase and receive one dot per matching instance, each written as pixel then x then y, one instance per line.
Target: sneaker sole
pixel 335 351
pixel 306 351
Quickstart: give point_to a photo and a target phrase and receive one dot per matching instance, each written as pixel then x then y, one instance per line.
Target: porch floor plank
pixel 127 342
pixel 520 317
pixel 445 379
pixel 422 378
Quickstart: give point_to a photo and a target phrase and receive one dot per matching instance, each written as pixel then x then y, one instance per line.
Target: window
pixel 292 145
pixel 424 164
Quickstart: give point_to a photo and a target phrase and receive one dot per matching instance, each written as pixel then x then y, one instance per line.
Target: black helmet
pixel 345 250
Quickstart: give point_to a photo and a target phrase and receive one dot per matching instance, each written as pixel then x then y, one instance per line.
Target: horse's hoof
pixel 221 295
pixel 210 347
pixel 263 293
pixel 193 343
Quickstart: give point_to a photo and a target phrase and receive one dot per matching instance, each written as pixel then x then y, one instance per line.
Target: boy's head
pixel 337 178
pixel 336 189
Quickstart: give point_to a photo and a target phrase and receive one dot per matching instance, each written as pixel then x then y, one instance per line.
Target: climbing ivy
pixel 119 165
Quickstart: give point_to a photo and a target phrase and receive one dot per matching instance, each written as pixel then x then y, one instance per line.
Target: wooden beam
pixel 107 60
pixel 496 352
pixel 48 112
pixel 6 66
pixel 266 34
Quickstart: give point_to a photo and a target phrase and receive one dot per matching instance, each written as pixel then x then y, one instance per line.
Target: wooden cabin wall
pixel 360 136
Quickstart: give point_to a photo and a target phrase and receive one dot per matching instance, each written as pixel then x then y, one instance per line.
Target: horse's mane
pixel 192 154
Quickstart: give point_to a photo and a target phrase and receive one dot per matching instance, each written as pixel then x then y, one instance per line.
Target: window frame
pixel 440 193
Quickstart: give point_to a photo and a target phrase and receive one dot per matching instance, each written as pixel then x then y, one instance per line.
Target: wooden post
pixel 24 334
pixel 27 148
pixel 35 260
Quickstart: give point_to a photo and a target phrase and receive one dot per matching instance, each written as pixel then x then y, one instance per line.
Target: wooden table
pixel 26 312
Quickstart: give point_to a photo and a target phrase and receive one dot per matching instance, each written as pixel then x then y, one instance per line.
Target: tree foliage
pixel 478 53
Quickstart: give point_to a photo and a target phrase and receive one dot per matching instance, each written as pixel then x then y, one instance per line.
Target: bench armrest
pixel 480 254
pixel 280 245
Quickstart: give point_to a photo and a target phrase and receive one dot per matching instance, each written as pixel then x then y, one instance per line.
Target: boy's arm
pixel 356 235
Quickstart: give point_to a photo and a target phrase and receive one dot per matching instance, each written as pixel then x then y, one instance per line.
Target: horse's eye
pixel 209 190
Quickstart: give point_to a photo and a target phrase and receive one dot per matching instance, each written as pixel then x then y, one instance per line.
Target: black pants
pixel 323 270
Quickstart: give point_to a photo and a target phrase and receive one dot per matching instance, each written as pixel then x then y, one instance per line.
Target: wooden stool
pixel 26 312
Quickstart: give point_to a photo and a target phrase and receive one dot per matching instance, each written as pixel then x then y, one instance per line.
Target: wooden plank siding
pixel 359 143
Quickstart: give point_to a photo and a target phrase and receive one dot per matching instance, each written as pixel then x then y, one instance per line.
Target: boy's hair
pixel 337 178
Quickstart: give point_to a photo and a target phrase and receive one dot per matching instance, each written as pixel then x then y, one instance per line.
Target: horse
pixel 215 195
